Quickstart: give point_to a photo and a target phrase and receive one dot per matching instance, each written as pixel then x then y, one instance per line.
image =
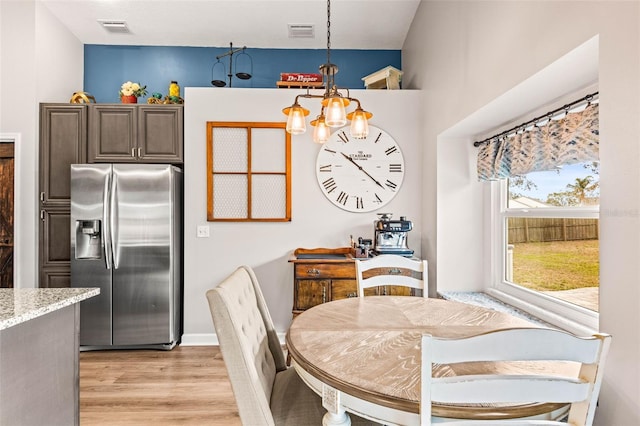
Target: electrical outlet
pixel 202 231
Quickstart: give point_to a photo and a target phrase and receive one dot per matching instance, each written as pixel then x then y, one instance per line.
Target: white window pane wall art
pixel 248 171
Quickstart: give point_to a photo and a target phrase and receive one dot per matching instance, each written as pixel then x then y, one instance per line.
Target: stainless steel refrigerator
pixel 126 238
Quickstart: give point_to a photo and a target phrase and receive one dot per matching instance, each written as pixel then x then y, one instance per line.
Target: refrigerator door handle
pixel 113 218
pixel 106 211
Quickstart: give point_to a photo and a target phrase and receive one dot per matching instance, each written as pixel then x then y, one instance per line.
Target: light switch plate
pixel 202 231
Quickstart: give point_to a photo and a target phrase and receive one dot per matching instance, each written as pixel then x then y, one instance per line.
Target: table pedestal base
pixel 336 419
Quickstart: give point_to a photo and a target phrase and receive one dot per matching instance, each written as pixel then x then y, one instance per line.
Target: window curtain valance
pixel 569 140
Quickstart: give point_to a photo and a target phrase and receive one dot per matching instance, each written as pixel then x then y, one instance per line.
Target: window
pixel 543 231
pixel 547 238
pixel 544 214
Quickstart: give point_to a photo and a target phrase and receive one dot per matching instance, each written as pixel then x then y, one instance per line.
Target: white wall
pixel 59 59
pixel 316 222
pixel 41 62
pixel 466 56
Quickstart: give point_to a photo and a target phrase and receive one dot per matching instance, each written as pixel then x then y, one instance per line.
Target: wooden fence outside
pixel 526 229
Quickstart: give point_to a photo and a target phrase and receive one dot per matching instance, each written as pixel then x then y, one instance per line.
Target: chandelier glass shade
pixel 359 122
pixel 336 113
pixel 333 111
pixel 296 118
pixel 321 131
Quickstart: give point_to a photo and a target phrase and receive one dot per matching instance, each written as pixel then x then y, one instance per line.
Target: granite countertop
pixel 21 305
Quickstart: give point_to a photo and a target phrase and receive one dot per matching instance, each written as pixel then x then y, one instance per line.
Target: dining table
pixel 362 356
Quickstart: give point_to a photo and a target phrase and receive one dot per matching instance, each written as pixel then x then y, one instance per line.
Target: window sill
pixel 586 325
pixel 487 301
pixel 502 302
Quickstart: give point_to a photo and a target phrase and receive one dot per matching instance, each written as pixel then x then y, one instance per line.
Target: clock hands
pixel 361 169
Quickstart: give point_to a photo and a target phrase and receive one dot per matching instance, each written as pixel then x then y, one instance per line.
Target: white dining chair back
pixel 390 269
pixel 517 344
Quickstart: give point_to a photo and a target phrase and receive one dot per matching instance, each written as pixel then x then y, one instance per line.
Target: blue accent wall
pixel 107 67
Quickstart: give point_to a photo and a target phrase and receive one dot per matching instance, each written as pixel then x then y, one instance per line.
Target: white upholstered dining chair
pixel 390 269
pixel 266 391
pixel 516 344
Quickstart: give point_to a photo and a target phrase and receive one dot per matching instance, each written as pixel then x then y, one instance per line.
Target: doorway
pixel 7 172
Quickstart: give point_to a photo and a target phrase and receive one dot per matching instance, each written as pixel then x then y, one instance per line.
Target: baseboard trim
pixel 211 339
pixel 199 339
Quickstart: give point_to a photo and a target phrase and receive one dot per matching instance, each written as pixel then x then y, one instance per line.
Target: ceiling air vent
pixel 113 26
pixel 301 31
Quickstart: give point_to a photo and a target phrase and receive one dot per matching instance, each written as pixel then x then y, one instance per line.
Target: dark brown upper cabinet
pixel 135 133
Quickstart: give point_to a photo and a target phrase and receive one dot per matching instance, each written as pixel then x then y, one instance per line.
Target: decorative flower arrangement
pixel 132 89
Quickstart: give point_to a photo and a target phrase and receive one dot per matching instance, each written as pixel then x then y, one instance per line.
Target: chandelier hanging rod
pixel 588 98
pixel 309 95
pixel 333 104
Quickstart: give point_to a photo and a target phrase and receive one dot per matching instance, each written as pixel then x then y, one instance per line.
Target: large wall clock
pixel 360 175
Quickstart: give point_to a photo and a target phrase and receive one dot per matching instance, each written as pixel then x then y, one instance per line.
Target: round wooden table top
pixel 369 348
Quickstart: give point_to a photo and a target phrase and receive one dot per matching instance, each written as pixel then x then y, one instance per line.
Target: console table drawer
pixel 341 289
pixel 325 270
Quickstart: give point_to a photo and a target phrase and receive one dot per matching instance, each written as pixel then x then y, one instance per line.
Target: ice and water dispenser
pixel 88 239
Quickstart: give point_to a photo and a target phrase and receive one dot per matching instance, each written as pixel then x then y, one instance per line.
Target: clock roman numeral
pixel 391 185
pixel 329 150
pixel 378 138
pixel 342 135
pixel 342 198
pixel 359 204
pixel 395 168
pixel 326 168
pixel 329 185
pixel 391 150
pixel 378 199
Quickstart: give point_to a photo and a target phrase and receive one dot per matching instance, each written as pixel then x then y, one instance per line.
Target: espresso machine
pixel 391 235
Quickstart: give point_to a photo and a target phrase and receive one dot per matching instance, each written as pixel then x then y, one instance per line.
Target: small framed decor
pixel 248 172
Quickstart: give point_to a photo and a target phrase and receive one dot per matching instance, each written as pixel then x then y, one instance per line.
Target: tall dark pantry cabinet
pixel 93 133
pixel 63 141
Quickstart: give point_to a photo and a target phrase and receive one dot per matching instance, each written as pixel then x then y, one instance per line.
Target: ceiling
pixel 363 24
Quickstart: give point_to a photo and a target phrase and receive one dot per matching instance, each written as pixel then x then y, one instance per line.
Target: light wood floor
pixel 185 386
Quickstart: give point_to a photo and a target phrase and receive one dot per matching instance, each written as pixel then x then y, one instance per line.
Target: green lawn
pixel 552 266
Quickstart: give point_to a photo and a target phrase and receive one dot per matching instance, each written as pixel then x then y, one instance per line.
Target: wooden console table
pixel 321 275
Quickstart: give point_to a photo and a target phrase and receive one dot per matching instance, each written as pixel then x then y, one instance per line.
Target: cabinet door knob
pixel 313 271
pixel 133 152
pixel 394 271
pixel 139 152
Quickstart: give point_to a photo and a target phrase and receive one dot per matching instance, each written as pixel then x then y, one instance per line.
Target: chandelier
pixel 333 111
